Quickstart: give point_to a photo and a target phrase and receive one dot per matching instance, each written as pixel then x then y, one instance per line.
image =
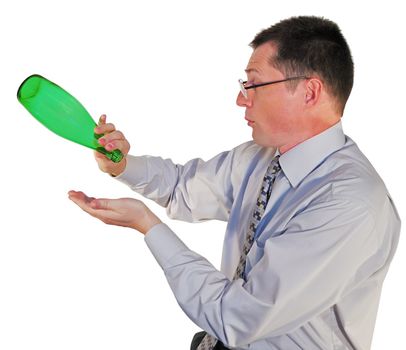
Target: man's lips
pixel 250 122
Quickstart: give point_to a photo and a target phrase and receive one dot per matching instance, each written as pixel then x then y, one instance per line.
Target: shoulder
pixel 350 177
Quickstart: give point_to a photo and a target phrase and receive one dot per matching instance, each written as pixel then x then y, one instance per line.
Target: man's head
pixel 312 46
pixel 290 112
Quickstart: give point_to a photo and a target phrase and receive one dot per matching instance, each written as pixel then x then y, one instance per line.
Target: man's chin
pixel 263 143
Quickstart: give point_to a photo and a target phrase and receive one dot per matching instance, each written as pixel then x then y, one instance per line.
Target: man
pixel 311 227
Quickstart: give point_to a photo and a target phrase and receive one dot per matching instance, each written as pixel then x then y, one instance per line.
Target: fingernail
pixel 102 141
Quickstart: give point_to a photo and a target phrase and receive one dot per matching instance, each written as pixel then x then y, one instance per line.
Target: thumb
pixel 102 119
pixel 101 203
pixel 99 155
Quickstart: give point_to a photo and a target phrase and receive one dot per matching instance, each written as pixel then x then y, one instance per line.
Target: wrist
pixel 148 222
pixel 119 169
pixel 154 221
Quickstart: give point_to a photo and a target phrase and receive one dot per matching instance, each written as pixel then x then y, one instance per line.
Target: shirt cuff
pixel 163 244
pixel 134 172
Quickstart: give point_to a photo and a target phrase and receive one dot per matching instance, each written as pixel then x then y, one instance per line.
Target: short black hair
pixel 312 45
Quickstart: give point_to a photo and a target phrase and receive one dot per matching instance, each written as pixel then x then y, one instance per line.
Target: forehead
pixel 259 61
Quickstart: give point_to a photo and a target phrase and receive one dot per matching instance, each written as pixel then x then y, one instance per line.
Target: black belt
pixel 198 337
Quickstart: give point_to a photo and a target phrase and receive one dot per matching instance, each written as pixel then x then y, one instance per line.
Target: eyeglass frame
pixel 244 89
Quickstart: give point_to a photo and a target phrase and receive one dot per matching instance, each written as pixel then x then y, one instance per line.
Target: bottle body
pixel 61 113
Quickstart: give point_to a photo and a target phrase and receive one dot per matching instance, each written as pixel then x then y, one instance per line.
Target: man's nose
pixel 243 101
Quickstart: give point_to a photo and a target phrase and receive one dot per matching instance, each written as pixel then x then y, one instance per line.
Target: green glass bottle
pixel 61 113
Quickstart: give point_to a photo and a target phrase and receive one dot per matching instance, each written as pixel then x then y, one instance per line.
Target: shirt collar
pixel 299 161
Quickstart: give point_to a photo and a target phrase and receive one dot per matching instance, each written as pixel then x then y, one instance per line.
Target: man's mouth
pixel 250 122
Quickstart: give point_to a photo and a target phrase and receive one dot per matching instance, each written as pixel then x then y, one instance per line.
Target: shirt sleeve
pixel 196 191
pixel 324 250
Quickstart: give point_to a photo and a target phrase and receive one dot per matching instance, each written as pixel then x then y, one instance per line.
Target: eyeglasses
pixel 244 88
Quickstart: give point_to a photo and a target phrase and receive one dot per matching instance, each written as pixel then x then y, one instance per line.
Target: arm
pixel 325 252
pixel 195 191
pixel 303 272
pixel 199 190
pixel 192 192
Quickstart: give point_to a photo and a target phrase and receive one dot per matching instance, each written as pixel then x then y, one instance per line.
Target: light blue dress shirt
pixel 321 252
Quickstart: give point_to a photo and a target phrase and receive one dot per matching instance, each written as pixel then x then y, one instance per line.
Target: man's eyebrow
pixel 249 70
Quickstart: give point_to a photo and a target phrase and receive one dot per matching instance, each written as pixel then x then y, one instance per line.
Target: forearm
pixel 152 177
pixel 195 191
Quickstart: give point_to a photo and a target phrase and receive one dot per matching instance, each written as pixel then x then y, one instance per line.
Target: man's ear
pixel 314 87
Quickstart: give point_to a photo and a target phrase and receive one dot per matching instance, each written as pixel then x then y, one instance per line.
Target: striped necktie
pixel 209 342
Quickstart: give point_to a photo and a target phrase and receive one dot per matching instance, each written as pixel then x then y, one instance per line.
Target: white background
pixel 165 72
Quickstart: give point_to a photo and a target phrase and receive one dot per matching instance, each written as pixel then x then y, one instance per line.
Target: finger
pixel 114 135
pixel 104 128
pixel 123 146
pixel 115 140
pixel 105 164
pixel 94 203
pixel 102 119
pixel 101 204
pixel 80 197
pixel 85 203
pixel 102 161
pixel 99 155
